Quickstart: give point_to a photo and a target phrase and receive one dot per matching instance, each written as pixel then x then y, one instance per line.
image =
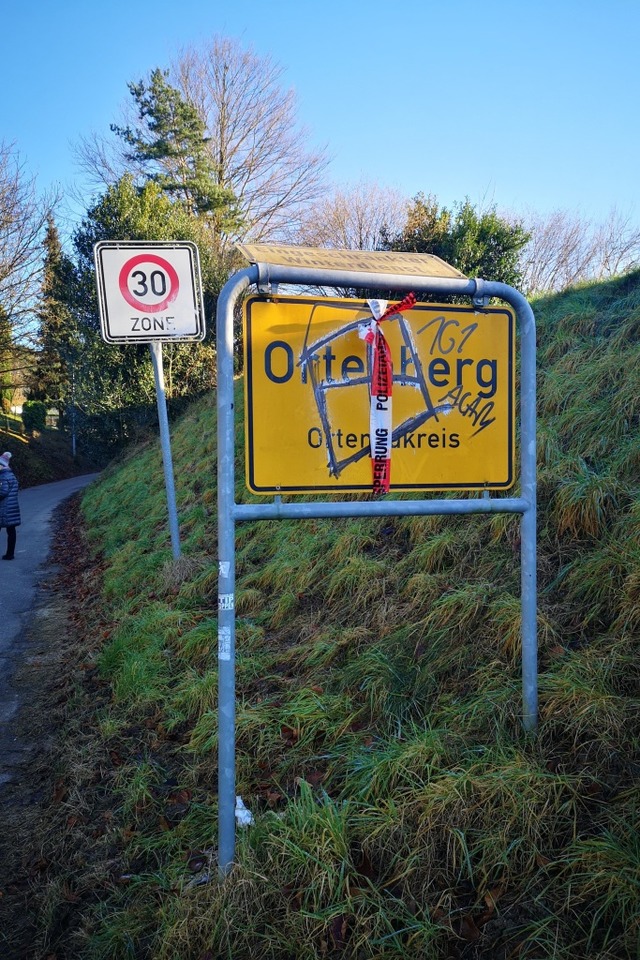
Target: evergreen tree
pixel 171 145
pixel 115 388
pixel 57 334
pixel 129 212
pixel 479 244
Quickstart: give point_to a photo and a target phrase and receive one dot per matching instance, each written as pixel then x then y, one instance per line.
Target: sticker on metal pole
pixel 149 291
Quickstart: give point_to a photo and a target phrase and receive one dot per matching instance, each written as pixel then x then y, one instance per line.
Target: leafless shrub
pixel 357 217
pixel 566 249
pixel 23 218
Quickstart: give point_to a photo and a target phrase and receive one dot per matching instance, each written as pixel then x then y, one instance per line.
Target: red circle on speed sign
pixel 153 290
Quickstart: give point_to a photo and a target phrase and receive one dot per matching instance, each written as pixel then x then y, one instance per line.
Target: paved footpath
pixel 19 580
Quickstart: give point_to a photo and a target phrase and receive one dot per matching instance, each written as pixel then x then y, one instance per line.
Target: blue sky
pixel 530 106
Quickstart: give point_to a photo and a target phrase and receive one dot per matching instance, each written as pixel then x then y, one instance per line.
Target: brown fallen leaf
pixel 557 651
pixel 289 735
pixel 469 929
pixel 315 777
pixel 60 791
pixel 180 796
pixel 340 931
pixel 490 898
pixel 273 797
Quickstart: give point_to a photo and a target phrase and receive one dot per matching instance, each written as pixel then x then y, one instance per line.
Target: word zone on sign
pixel 351 395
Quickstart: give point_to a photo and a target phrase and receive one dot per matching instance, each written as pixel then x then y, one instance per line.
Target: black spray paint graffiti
pixel 316 363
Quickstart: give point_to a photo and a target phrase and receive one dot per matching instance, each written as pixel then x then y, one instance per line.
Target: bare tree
pixel 23 219
pixel 617 246
pixel 566 249
pixel 103 160
pixel 557 254
pixel 257 145
pixel 358 217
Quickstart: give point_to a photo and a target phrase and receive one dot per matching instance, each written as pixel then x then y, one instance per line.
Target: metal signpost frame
pixel 151 292
pixel 266 276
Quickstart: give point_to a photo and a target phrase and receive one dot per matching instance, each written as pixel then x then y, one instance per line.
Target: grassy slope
pixel 400 811
pixel 44 458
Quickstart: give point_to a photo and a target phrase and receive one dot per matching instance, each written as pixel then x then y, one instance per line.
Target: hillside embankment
pixel 400 809
pixel 44 457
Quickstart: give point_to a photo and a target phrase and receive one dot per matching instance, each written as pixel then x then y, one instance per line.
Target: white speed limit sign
pixel 149 291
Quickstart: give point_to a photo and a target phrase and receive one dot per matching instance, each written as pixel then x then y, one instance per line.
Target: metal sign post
pixel 152 293
pixel 356 269
pixel 165 443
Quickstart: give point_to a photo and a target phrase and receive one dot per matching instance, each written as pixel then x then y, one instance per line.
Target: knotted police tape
pixel 381 389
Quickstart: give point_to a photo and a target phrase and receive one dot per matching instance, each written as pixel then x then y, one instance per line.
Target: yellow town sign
pixel 307 382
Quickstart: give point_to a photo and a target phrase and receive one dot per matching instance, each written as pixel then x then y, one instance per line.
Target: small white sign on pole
pixel 149 291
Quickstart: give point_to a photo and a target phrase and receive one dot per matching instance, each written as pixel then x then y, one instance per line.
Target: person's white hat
pixel 4 460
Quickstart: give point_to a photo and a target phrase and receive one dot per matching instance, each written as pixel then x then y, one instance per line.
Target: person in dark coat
pixel 9 509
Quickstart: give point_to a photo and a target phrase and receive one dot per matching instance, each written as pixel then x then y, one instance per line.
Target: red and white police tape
pixel 380 423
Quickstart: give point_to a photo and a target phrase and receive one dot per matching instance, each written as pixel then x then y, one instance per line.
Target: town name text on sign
pixel 149 291
pixel 307 403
